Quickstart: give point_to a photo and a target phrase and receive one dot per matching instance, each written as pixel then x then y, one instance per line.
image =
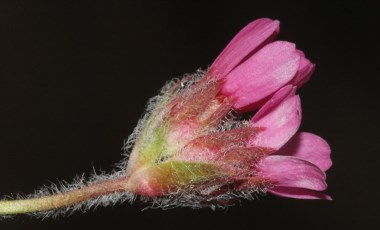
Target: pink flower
pixel 195 148
pixel 252 72
pixel 253 63
pixel 255 67
pixel 297 167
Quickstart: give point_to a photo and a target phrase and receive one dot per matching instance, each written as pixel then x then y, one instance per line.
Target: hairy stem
pixel 61 200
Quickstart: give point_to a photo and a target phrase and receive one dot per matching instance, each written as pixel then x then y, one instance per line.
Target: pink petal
pixel 309 147
pixel 288 171
pixel 305 70
pixel 280 120
pixel 282 94
pixel 298 193
pixel 261 75
pixel 247 41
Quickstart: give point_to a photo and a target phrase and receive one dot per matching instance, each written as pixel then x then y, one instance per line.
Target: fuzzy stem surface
pixel 61 200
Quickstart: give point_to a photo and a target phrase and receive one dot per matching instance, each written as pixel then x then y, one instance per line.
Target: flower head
pixel 196 145
pixel 216 135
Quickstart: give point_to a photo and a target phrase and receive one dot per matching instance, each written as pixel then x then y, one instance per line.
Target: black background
pixel 75 77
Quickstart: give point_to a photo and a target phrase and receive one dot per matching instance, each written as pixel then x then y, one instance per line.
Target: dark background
pixel 75 77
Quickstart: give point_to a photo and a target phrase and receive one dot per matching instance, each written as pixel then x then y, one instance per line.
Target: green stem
pixel 45 203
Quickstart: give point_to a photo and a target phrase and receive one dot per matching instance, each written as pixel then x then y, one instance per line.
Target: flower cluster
pixel 197 148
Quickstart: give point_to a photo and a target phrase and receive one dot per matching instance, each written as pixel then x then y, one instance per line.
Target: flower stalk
pixel 61 200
